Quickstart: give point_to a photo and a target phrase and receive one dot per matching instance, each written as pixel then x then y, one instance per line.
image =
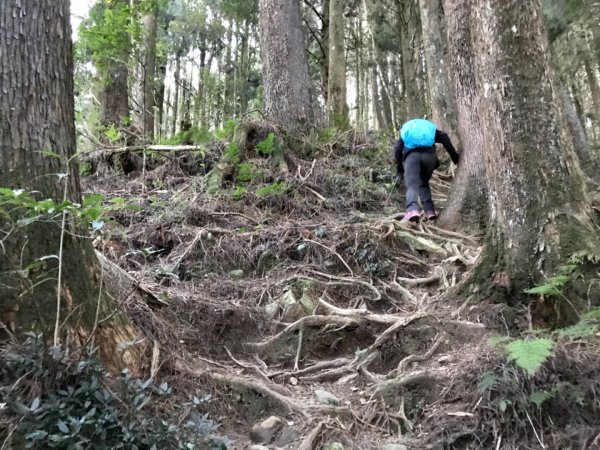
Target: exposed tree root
pixel 404 364
pixel 310 442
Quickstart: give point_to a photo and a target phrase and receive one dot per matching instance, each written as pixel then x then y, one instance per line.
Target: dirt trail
pixel 313 304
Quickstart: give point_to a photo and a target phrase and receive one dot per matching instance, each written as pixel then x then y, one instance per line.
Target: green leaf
pixel 63 427
pixel 531 354
pixel 539 397
pixel 35 404
pixel 488 380
pixel 504 404
pixel 544 289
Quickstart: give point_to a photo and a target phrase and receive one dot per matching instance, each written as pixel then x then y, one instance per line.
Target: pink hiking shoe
pixel 431 215
pixel 411 216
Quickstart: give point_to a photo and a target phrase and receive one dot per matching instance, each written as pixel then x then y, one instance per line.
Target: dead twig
pixel 334 252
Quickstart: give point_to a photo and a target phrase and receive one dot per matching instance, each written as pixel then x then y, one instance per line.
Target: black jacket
pixel 440 138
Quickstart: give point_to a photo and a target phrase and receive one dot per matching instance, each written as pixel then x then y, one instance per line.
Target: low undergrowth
pixel 51 399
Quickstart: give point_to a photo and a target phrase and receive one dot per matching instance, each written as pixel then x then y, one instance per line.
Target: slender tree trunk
pixel 378 118
pixel 336 89
pixel 587 159
pixel 287 89
pixel 382 70
pixel 324 63
pixel 539 213
pixel 36 69
pixel 177 77
pixel 160 96
pixel 146 102
pixel 590 71
pixel 576 96
pixel 244 68
pixel 359 78
pixel 467 205
pixel 199 104
pixel 228 73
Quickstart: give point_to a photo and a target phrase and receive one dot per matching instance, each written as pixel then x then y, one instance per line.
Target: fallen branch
pixel 418 281
pixel 323 365
pixel 424 376
pixel 385 319
pixel 232 213
pixel 334 252
pixel 290 406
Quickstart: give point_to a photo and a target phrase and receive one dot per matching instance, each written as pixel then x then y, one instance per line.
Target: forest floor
pixel 309 313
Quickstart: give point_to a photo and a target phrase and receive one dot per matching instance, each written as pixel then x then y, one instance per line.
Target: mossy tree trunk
pixel 36 69
pixel 539 207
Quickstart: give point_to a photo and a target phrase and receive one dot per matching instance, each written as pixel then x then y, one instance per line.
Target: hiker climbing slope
pixel 416 159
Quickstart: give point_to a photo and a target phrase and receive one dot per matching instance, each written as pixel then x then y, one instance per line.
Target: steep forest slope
pixel 292 294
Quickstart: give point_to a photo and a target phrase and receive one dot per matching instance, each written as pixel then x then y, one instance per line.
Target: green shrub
pixel 79 406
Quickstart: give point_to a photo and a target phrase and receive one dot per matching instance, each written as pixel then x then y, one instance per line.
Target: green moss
pixel 247 172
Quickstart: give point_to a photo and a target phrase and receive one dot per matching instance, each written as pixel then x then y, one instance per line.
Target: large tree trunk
pixel 409 24
pixel 467 203
pixel 337 107
pixel 44 283
pixel 148 73
pixel 287 89
pixel 539 207
pixel 441 96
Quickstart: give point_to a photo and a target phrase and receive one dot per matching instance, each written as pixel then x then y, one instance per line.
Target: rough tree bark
pixel 409 24
pixel 441 96
pixel 589 162
pixel 36 69
pixel 467 203
pixel 148 73
pixel 336 89
pixel 114 96
pixel 287 89
pixel 539 207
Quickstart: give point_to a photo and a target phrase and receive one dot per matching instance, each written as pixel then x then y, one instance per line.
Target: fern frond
pixel 531 354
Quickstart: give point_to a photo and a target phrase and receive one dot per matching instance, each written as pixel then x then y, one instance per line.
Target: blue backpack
pixel 418 133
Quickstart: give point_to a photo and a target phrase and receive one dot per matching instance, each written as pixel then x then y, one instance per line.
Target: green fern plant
pixel 528 354
pixel 267 145
pixel 554 286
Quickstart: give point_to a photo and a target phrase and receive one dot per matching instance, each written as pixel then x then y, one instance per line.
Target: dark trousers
pixel 419 165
